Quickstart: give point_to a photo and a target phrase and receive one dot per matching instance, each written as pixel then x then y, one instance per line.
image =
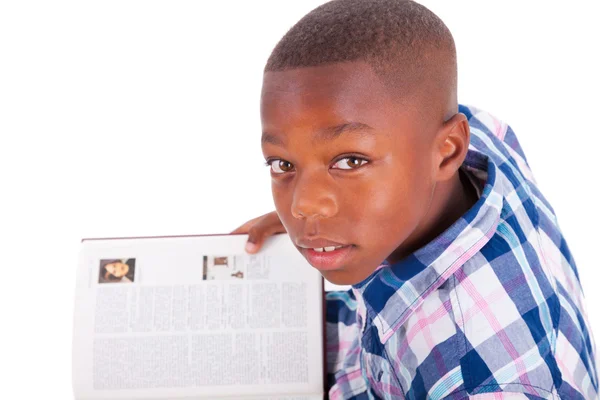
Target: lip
pixel 327 260
pixel 316 243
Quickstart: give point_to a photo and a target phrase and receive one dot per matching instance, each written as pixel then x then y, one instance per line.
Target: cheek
pixel 393 203
pixel 282 198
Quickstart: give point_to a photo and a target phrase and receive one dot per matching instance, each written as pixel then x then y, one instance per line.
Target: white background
pixel 122 118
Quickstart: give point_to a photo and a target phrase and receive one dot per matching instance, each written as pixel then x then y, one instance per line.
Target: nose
pixel 314 196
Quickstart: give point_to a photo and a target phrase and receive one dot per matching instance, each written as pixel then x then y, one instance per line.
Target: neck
pixel 451 200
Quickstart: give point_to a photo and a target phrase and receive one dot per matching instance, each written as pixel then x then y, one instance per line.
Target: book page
pixel 196 317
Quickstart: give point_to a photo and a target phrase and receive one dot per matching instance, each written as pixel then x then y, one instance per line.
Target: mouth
pixel 327 258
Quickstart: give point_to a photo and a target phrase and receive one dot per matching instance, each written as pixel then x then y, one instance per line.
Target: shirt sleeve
pixel 344 375
pixel 498 396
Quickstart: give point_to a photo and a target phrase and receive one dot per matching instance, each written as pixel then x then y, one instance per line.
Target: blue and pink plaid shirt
pixel 491 309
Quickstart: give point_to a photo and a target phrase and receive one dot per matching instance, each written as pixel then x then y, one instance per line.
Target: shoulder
pixel 495 138
pixel 484 121
pixel 480 331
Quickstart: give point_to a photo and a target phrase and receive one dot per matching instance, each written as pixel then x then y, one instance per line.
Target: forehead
pixel 325 95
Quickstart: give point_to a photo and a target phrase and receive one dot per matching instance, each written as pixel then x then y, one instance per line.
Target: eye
pixel 350 163
pixel 279 166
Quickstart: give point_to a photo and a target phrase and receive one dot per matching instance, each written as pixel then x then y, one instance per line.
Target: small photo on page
pixel 117 270
pixel 222 267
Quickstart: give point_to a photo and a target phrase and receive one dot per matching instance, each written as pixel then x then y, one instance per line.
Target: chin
pixel 339 277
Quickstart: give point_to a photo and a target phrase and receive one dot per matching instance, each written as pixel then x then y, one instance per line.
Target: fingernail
pixel 251 247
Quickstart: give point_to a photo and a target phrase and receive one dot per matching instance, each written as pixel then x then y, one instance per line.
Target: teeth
pixel 328 248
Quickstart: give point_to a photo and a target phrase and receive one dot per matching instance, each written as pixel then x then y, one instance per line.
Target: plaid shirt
pixel 491 309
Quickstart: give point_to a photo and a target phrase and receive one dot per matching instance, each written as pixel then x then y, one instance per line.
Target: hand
pixel 259 229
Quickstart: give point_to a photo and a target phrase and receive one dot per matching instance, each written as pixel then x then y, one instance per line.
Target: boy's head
pixel 360 128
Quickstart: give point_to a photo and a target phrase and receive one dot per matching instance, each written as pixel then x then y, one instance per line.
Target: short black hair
pixel 403 41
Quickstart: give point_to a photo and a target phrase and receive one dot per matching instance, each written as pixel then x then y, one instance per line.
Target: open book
pixel 196 317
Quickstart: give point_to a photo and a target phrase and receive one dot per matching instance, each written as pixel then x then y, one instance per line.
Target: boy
pixel 462 284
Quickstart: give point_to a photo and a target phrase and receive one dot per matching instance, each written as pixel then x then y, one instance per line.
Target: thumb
pixel 252 247
pixel 260 232
pixel 256 238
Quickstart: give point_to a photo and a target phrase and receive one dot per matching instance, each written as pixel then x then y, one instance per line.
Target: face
pixel 351 167
pixel 117 269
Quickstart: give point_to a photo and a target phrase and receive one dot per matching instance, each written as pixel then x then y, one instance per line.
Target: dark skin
pixel 384 189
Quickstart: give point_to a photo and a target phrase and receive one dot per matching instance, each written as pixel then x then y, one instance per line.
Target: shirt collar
pixel 393 292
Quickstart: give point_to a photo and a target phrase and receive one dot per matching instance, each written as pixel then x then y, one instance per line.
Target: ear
pixel 452 143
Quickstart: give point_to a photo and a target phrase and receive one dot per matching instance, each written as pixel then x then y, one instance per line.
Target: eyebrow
pixel 328 133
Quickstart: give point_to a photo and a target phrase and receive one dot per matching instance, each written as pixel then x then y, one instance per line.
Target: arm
pixel 497 396
pixel 344 375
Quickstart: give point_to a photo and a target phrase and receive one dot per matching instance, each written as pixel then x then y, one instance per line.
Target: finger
pixel 245 227
pixel 262 230
pixel 270 216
